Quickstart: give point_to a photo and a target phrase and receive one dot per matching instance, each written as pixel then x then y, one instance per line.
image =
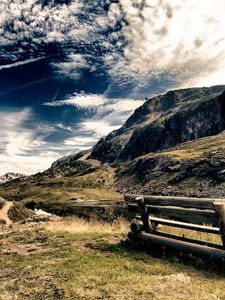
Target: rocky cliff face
pixel 165 121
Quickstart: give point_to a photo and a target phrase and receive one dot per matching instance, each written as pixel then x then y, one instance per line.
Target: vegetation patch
pixel 18 212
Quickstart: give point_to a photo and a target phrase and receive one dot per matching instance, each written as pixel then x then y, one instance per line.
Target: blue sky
pixel 71 71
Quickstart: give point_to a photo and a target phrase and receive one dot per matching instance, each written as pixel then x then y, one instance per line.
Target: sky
pixel 71 71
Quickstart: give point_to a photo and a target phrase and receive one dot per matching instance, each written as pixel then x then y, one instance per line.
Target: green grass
pixel 73 259
pixel 95 185
pixel 195 149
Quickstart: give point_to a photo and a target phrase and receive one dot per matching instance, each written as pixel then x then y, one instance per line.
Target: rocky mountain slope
pixel 165 121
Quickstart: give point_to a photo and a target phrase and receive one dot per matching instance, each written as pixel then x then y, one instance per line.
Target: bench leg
pixel 220 215
pixel 147 225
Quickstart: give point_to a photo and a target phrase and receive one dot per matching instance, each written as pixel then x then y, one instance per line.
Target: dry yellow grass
pixel 81 226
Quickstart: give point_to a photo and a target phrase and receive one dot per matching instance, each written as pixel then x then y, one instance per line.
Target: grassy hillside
pixel 195 168
pixel 97 184
pixel 73 259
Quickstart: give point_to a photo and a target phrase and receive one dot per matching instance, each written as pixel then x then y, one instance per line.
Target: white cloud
pixel 20 146
pixel 181 40
pixel 109 116
pixel 27 164
pixel 13 139
pixel 74 67
pixel 98 128
pixel 82 100
pixel 28 26
pixel 81 143
pixel 41 23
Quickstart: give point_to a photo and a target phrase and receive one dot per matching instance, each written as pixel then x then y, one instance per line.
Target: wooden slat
pixel 181 246
pixel 209 229
pixel 188 215
pixel 180 201
pixel 187 239
pixel 188 202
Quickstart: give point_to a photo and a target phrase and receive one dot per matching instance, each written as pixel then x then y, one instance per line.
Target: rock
pixel 221 175
pixel 40 212
pixel 177 278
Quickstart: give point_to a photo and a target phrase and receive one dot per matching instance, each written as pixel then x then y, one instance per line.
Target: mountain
pixel 174 144
pixel 165 121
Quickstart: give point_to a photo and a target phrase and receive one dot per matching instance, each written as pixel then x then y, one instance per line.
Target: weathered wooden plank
pixel 186 215
pixel 181 246
pixel 188 202
pixel 187 239
pixel 209 229
pixel 220 215
pixel 180 201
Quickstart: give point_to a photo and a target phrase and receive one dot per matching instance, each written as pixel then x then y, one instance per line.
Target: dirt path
pixel 4 213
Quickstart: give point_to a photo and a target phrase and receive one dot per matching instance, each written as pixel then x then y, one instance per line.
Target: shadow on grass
pixel 139 252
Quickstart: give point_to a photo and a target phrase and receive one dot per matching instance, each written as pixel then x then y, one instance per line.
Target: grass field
pixel 73 259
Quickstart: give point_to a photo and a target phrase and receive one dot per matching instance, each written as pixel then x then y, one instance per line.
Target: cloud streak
pixel 20 63
pixel 82 101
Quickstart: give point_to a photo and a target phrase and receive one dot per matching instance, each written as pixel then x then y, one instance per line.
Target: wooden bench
pixel 153 213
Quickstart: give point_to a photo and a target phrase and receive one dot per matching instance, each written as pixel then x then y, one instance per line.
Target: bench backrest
pixel 184 212
pixel 190 210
